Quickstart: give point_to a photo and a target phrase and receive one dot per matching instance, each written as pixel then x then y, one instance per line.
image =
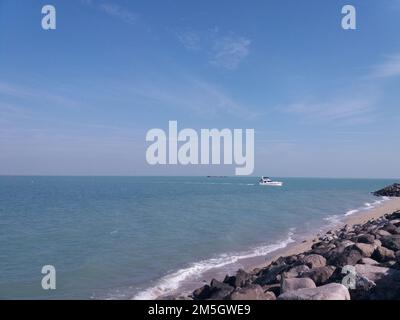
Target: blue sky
pixel 79 100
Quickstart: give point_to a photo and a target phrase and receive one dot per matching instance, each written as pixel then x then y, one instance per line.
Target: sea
pixel 148 237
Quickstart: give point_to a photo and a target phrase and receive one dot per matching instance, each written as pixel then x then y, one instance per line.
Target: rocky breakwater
pixel 361 262
pixel 390 191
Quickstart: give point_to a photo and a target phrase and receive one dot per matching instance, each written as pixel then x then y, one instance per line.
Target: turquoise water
pixel 137 237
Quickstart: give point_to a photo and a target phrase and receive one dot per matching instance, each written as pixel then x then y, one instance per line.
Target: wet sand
pixel 303 245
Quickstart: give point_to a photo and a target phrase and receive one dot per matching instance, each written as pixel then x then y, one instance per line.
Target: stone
pixel 202 293
pixel 219 290
pixel 296 283
pixel 365 249
pixel 239 280
pixel 251 292
pixel 349 256
pixel 391 242
pixel 395 222
pixel 387 281
pixel 271 274
pixel 314 261
pixel 322 248
pixel 395 215
pixel 269 295
pixel 331 291
pixel 274 288
pixel 382 233
pixel 366 238
pixel 383 254
pixel 319 275
pixel 369 261
pixel 295 271
pixel 391 228
pixel 389 191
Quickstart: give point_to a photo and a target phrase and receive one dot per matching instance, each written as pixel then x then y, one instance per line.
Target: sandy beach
pixel 316 268
pixel 393 204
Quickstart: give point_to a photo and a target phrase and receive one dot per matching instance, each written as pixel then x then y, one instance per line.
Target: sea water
pixel 142 237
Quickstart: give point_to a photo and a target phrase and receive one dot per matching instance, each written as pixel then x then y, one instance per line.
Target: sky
pixel 79 100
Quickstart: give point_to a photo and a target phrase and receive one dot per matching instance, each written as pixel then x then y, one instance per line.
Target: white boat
pixel 265 181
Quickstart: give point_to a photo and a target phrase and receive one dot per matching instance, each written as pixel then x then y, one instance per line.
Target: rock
pixel 271 274
pixel 390 191
pixel 202 293
pixel 395 215
pixel 395 222
pixel 269 295
pixel 296 283
pixel 391 228
pixel 239 280
pixel 377 243
pixel 383 254
pixel 397 254
pixel 365 249
pixel 388 264
pixel 331 291
pixel 274 288
pixel 251 292
pixel 369 261
pixel 387 281
pixel 322 248
pixel 349 256
pixel 391 242
pixel 219 290
pixel 314 261
pixel 366 238
pixel 382 233
pixel 295 271
pixel 319 275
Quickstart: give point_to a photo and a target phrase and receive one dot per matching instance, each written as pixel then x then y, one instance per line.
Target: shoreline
pixel 303 245
pixel 299 245
pixel 358 259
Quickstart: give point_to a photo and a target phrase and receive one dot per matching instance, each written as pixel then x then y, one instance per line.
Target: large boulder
pixel 390 191
pixel 366 238
pixel 387 281
pixel 391 242
pixel 365 249
pixel 271 274
pixel 296 283
pixel 383 254
pixel 320 275
pixel 314 261
pixel 382 233
pixel 202 293
pixel 349 256
pixel 239 280
pixel 331 291
pixel 295 271
pixel 395 215
pixel 251 292
pixel 219 290
pixel 274 288
pixel 368 261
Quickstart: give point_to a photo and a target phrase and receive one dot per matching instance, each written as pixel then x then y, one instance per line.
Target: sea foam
pixel 173 281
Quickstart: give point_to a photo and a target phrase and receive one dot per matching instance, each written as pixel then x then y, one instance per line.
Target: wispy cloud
pixel 388 69
pixel 193 96
pixel 189 39
pixel 113 10
pixel 222 51
pixel 228 52
pixel 345 111
pixel 22 92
